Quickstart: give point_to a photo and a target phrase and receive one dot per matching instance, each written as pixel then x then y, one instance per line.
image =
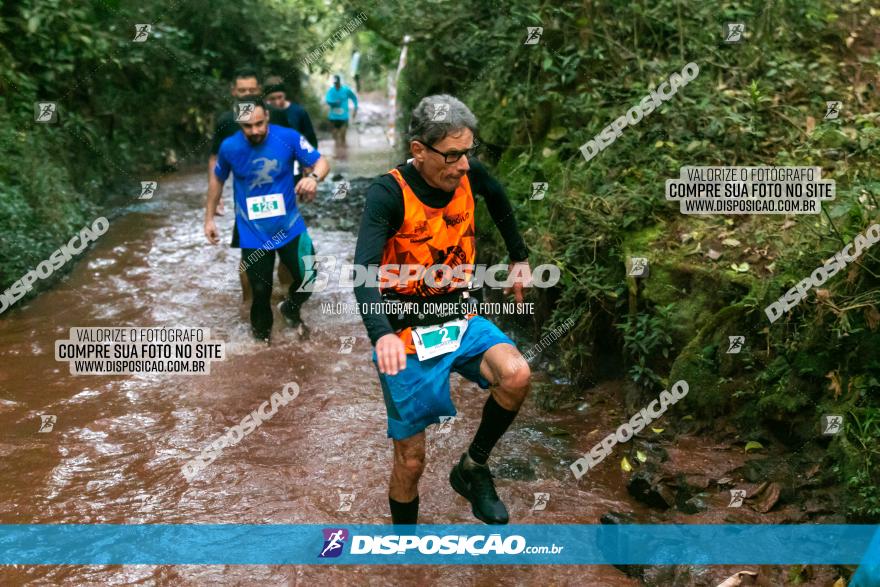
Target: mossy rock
pixel 698 364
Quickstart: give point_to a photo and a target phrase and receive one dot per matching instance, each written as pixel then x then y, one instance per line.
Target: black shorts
pixel 339 123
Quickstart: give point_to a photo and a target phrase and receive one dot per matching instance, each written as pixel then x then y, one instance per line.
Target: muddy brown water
pixel 117 448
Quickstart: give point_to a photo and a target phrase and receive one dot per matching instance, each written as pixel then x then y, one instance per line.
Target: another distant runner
pixel 337 98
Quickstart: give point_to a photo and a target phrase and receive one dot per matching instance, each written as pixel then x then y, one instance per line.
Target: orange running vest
pixel 430 236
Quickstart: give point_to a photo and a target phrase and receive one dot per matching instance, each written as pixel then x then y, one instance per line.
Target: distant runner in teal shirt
pixel 337 98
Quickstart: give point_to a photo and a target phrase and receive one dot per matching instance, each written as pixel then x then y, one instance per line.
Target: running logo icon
pixel 832 110
pixel 539 190
pixel 832 425
pixel 638 266
pixel 533 35
pixel 47 422
pixel 334 540
pixel 341 190
pixel 346 344
pixel 541 501
pixel 736 498
pixel 45 112
pixel 733 32
pixel 244 111
pixel 142 32
pixel 445 424
pixel 441 110
pixel 148 188
pixel 264 174
pixel 735 344
pixel 346 500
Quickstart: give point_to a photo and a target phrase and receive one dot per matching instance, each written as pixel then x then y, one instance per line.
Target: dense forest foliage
pixel 124 105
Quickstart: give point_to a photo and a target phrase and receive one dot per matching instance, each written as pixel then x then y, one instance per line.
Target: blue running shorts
pixel 416 397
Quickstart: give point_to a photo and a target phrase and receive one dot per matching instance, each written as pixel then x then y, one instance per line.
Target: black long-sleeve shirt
pixel 299 120
pixel 383 216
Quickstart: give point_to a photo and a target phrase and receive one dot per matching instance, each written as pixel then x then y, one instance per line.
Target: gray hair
pixel 437 116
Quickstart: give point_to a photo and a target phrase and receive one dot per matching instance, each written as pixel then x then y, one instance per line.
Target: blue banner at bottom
pixel 101 544
pixel 868 574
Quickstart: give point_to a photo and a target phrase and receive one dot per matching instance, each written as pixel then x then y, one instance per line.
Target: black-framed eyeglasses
pixel 453 156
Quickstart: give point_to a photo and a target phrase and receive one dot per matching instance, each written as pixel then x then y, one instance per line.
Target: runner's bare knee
pixel 515 377
pixel 410 458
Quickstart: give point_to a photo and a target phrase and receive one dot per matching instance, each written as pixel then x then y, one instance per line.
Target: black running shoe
pixel 476 486
pixel 260 335
pixel 293 320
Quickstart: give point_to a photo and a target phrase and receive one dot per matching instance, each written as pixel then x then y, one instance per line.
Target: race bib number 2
pixel 267 206
pixel 433 341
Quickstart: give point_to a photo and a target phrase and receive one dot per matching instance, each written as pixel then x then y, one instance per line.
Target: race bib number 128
pixel 265 206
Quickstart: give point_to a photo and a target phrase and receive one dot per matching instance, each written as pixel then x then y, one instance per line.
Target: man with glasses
pixel 421 214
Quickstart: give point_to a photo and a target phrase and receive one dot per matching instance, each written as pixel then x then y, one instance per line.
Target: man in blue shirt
pixel 337 98
pixel 261 157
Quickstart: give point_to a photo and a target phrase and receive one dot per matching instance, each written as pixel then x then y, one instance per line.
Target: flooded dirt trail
pixel 118 445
